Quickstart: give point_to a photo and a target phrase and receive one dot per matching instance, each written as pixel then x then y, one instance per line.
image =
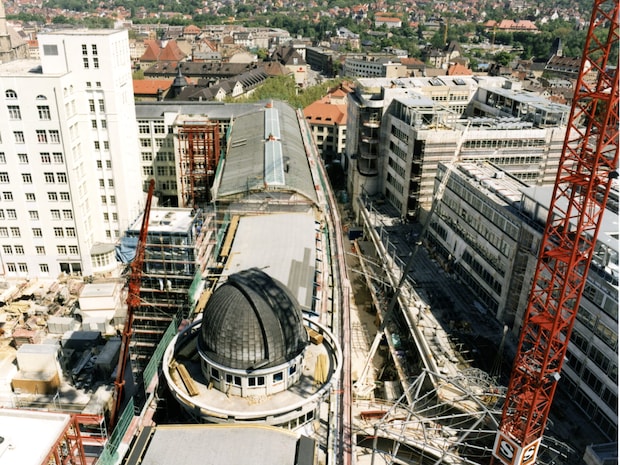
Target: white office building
pixel 69 159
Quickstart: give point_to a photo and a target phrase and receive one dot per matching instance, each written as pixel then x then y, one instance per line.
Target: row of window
pixel 161 171
pixel 50 178
pixel 145 128
pixel 503 144
pixel 605 333
pixel 45 157
pixel 40 250
pixel 43 137
pixel 15 112
pixel 36 232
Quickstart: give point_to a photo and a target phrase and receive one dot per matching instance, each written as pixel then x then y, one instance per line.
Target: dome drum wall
pixel 257 383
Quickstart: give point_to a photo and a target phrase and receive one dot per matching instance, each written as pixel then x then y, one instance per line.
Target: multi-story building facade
pixel 374 66
pixel 399 130
pixel 68 155
pixel 327 118
pixel 180 144
pixel 487 229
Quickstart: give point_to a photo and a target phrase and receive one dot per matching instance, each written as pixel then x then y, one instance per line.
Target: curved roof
pixel 252 321
pixel 245 164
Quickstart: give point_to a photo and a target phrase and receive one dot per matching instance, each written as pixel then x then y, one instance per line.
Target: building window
pixel 30 197
pixel 44 112
pixel 22 158
pixel 40 250
pixel 85 62
pixel 73 250
pixel 101 106
pixel 14 112
pixel 104 200
pixel 41 136
pixel 19 250
pixel 70 232
pixel 84 49
pixel 4 232
pixel 61 178
pixel 2 158
pixel 15 232
pixel 113 199
pixel 45 158
pixel 10 94
pixel 52 196
pixel 11 267
pixel 93 123
pixel 11 214
pixel 7 250
pixel 7 196
pixel 94 49
pixel 34 214
pixel 64 197
pixel 37 232
pixel 97 145
pixel 104 124
pixel 110 182
pixel 49 178
pixel 58 232
pixel 61 249
pixel 23 267
pixel 106 145
pixel 43 266
pixel 95 62
pixel 58 157
pixel 108 164
pixel 4 178
pixel 26 178
pixel 67 214
pixel 19 137
pixel 55 214
pixel 91 105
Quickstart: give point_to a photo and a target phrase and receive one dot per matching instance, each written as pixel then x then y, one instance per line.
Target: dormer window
pixel 11 94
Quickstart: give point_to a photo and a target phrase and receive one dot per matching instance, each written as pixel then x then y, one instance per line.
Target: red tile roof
pixel 322 112
pixel 456 69
pixel 150 86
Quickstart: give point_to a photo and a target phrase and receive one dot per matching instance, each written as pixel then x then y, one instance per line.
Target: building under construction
pixel 170 280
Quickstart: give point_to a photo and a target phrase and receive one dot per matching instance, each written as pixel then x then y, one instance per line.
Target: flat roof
pixel 166 220
pixel 221 444
pixel 608 232
pixel 283 245
pixel 212 110
pixel 29 436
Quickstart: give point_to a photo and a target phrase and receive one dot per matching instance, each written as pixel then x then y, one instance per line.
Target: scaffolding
pixel 170 278
pixel 199 154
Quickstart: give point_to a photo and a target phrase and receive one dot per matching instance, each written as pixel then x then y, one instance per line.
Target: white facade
pixel 68 151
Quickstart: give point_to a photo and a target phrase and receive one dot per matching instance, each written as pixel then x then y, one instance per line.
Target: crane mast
pixel 133 302
pixel 588 166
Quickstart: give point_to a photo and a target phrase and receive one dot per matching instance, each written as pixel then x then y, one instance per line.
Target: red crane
pixel 587 168
pixel 133 302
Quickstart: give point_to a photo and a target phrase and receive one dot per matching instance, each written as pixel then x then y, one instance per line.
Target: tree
pixel 503 58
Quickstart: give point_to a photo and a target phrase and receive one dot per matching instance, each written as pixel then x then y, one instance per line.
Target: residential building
pixel 68 155
pixel 399 130
pixel 327 118
pixel 487 230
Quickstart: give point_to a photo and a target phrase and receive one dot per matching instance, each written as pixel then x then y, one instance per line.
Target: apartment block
pixel 69 157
